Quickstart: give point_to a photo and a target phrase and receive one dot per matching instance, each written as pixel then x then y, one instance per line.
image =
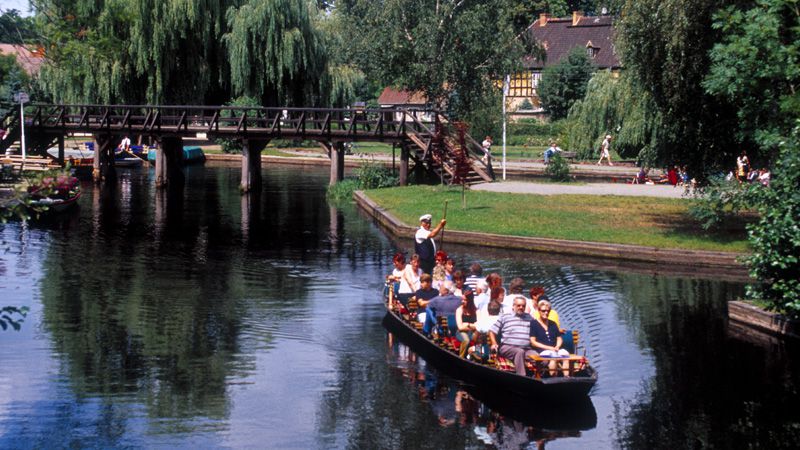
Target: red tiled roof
pixel 391 97
pixel 30 61
pixel 559 37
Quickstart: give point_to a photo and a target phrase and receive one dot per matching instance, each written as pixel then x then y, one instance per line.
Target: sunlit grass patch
pixel 655 222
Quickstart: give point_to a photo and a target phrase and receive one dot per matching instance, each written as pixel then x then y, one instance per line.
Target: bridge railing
pixel 231 121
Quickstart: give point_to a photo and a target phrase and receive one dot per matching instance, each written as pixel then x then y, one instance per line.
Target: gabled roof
pixel 559 36
pixel 391 97
pixel 29 60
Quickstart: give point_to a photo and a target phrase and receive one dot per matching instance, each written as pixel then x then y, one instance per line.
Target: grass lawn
pixel 654 222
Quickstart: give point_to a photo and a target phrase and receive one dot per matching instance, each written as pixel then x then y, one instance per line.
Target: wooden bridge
pixel 425 137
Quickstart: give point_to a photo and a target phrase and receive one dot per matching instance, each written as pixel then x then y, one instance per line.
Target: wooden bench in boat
pixel 575 363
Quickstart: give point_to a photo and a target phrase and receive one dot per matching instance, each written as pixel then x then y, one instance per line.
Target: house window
pixel 521 85
pixel 592 51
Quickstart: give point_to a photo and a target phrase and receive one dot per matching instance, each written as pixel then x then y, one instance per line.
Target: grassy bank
pixel 654 222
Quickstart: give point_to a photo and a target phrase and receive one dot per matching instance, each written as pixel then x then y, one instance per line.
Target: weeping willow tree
pixel 618 106
pixel 189 52
pixel 134 51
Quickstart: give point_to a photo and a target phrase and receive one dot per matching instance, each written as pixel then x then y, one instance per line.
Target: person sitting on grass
pixel 545 338
pixel 641 177
pixel 466 316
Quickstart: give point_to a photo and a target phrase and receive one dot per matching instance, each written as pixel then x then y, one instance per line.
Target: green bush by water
pixel 370 175
pixel 558 169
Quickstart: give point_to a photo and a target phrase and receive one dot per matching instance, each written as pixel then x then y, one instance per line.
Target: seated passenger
pixel 449 269
pixel 480 351
pixel 495 281
pixel 443 305
pixel 533 298
pixel 481 295
pixel 458 283
pixel 489 317
pixel 399 262
pixel 438 269
pixel 545 338
pixel 409 280
pixel 553 314
pixel 466 316
pixel 514 290
pixel 515 331
pixel 425 292
pixel 498 295
pixel 475 274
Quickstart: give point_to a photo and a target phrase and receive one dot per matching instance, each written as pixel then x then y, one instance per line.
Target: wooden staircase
pixel 447 153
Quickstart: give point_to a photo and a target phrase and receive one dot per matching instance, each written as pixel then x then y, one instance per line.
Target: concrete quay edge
pixel 715 261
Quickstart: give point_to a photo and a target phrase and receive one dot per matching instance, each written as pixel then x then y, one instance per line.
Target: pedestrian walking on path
pixel 605 149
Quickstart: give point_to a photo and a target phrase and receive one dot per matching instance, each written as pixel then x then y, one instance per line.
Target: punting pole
pixel 441 243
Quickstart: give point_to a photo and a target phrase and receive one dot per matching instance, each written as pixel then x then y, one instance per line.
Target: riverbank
pixel 393 209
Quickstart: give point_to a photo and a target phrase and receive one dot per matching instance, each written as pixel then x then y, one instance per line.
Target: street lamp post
pixel 506 82
pixel 22 98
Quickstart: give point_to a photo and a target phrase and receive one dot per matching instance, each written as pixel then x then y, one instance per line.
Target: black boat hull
pixel 572 389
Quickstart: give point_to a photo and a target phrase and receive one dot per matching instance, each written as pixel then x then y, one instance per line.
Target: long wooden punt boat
pixel 485 375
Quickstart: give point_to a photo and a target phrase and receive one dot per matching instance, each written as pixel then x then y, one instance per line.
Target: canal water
pixel 200 318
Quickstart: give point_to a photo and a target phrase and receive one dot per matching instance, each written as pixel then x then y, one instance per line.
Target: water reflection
pixel 195 317
pixel 495 418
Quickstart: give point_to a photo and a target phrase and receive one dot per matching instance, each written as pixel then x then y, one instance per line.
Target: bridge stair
pixel 447 152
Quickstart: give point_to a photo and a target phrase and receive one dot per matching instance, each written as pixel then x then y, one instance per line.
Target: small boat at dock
pixel 491 374
pixel 55 194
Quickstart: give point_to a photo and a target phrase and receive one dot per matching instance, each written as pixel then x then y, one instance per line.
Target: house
pixel 392 98
pixel 30 59
pixel 557 37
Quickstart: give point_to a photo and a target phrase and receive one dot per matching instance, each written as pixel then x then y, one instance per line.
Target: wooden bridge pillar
pixel 251 164
pixel 169 159
pixel 61 149
pixel 404 165
pixel 103 164
pixel 336 152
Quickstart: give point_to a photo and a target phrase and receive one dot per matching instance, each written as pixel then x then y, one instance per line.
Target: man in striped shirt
pixel 514 332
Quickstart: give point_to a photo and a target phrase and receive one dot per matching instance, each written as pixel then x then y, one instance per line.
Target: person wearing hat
pixel 424 245
pixel 605 147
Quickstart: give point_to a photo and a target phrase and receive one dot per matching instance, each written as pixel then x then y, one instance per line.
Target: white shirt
pixel 126 143
pixel 423 234
pixel 408 272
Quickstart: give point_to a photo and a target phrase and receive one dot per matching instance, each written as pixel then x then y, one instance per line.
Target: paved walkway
pixel 637 190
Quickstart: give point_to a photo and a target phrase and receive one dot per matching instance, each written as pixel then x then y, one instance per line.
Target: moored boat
pixel 489 375
pixel 56 194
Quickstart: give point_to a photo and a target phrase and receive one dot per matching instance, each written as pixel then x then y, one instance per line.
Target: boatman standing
pixel 424 245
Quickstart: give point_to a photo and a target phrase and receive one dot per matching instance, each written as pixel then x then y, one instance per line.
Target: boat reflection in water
pixel 498 419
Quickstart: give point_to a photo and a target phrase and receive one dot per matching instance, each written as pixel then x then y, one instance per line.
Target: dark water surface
pixel 199 318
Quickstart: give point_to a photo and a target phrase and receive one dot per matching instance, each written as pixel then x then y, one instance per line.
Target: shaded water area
pixel 199 318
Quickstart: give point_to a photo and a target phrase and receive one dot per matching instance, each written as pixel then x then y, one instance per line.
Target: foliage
pixel 438 47
pixel 373 175
pixel 619 106
pixel 13 316
pixel 343 190
pixel 526 105
pixel 532 133
pixel 12 80
pixel 276 61
pixel 722 201
pixel 756 67
pixel 564 83
pixel 190 52
pixel 369 175
pixel 775 238
pixel 665 45
pixel 654 222
pixel 558 168
pixel 15 29
pixel 235 145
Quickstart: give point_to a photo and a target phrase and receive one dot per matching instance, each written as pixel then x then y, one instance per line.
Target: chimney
pixel 576 17
pixel 543 19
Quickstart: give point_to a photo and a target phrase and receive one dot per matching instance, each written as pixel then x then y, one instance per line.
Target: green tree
pixel 12 79
pixel 565 83
pixel 665 45
pixel 756 68
pixel 15 29
pixel 618 105
pixel 443 48
pixel 775 238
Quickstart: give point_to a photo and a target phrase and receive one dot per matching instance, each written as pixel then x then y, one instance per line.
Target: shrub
pixel 343 190
pixel 370 175
pixel 558 168
pixel 721 201
pixel 775 238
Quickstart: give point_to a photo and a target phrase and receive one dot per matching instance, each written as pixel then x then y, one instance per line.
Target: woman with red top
pixel 466 316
